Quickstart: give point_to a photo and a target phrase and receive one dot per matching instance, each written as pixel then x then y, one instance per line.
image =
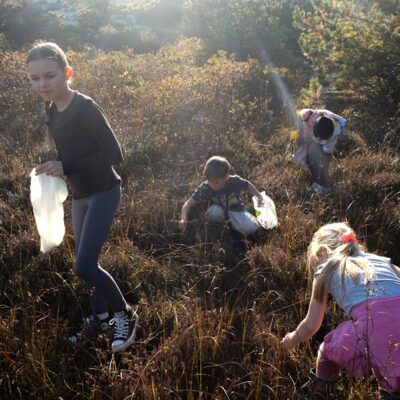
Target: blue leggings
pixel 92 217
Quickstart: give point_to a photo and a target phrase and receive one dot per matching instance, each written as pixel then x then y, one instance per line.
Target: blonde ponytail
pixel 340 255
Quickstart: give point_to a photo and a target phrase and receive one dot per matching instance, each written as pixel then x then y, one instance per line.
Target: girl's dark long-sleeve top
pixel 87 146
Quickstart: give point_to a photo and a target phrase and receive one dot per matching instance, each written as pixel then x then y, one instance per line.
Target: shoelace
pixel 121 330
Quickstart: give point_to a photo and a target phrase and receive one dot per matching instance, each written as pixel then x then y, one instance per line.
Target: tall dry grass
pixel 212 314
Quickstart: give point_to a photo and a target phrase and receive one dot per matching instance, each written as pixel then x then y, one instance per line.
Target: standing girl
pixel 367 288
pixel 87 150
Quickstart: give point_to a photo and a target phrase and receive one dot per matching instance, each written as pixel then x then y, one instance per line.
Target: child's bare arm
pixel 396 269
pixel 309 326
pixel 185 212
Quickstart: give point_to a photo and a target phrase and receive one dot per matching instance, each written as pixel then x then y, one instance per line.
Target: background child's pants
pixel 242 221
pixel 92 217
pixel 318 162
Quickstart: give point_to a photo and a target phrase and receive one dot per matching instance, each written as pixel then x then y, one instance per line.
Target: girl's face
pixel 48 79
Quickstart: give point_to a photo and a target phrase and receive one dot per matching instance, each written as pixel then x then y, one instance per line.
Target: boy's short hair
pixel 324 128
pixel 216 167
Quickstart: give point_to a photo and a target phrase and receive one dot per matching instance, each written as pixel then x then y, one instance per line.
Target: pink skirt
pixel 369 341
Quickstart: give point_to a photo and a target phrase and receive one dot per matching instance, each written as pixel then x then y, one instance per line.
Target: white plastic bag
pixel 47 196
pixel 266 213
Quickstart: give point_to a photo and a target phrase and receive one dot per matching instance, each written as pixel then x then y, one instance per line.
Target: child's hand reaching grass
pixel 287 342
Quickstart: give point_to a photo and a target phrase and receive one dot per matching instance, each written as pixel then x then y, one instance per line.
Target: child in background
pixel 223 191
pixel 87 150
pixel 319 131
pixel 367 288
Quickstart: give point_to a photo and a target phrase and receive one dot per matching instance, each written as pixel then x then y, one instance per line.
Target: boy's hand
pixel 183 224
pixel 52 168
pixel 287 342
pixel 260 201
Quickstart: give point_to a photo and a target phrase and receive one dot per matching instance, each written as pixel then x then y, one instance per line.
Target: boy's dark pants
pixel 318 162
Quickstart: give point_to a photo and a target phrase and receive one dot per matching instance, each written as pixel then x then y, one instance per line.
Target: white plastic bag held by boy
pixel 265 213
pixel 47 196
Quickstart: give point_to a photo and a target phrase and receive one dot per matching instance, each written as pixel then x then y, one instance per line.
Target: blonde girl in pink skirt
pixel 367 288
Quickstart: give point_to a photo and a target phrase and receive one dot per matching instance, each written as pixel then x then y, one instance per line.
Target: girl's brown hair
pixel 47 50
pixel 51 51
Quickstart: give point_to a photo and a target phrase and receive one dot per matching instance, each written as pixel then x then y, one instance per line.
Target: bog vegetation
pixel 212 312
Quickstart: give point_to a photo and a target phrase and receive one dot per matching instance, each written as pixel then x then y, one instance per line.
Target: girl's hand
pixel 287 342
pixel 52 168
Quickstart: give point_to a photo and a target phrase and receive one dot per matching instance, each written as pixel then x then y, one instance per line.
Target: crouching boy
pixel 222 190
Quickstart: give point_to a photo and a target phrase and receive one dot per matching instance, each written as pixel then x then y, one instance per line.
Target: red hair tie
pixel 350 237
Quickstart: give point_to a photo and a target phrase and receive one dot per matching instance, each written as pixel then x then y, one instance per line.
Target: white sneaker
pixel 125 327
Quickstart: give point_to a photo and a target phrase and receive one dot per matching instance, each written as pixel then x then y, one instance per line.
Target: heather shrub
pixel 212 313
